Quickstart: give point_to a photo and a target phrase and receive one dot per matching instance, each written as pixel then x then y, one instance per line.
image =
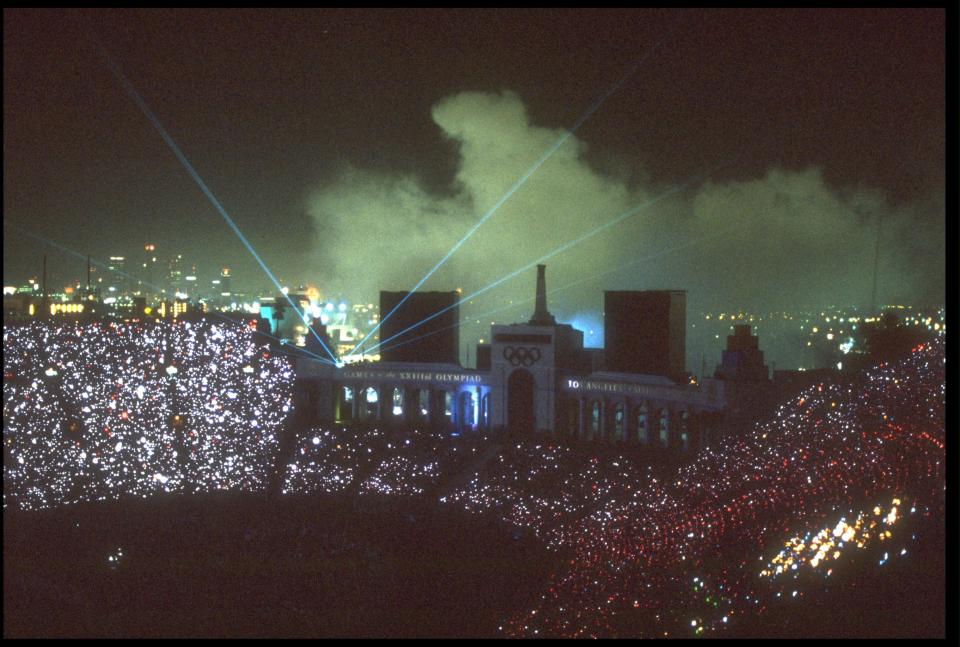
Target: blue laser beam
pixel 619 268
pixel 693 180
pixel 596 230
pixel 132 91
pixel 93 261
pixel 520 182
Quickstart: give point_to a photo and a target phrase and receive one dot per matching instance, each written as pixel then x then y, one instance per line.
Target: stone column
pixel 580 415
pixel 671 429
pixel 479 411
pixel 643 435
pixel 384 403
pixel 685 431
pixel 435 408
pixel 485 412
pixel 411 406
pixel 624 420
pixel 604 425
pixel 674 426
pixel 337 391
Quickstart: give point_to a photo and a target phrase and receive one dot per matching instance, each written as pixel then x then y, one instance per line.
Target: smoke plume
pixel 783 241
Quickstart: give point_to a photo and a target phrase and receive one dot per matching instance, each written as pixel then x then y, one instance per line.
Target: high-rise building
pixel 743 359
pixel 175 274
pixel 747 386
pixel 148 271
pixel 436 341
pixel 117 282
pixel 645 332
pixel 225 290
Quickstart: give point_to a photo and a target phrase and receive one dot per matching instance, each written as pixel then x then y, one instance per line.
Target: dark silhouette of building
pixel 746 381
pixel 889 339
pixel 483 357
pixel 645 332
pixel 314 339
pixel 436 341
pixel 787 383
pixel 743 359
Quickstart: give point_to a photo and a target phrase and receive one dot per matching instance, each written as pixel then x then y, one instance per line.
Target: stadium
pixel 138 456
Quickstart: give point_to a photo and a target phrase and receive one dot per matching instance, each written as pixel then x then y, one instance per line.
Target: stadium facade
pixel 537 377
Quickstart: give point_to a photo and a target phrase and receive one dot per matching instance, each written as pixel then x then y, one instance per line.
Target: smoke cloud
pixel 783 241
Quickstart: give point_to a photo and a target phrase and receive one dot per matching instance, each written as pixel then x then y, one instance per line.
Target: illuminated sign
pixel 687 393
pixel 420 376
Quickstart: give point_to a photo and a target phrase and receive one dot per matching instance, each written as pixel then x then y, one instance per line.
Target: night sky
pixel 355 148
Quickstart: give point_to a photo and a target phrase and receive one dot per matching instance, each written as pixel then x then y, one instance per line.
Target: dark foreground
pixel 244 566
pixel 235 566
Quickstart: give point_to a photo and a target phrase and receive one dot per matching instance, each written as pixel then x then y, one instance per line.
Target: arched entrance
pixel 642 431
pixel 594 420
pixel 619 423
pixel 344 412
pixel 465 412
pixel 369 403
pixel 396 409
pixel 520 402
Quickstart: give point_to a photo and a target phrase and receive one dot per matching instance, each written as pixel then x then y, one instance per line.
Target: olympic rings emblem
pixel 524 356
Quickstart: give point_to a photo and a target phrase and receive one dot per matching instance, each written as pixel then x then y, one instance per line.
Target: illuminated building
pixel 66 308
pixel 117 283
pixel 225 289
pixel 525 359
pixel 189 286
pixel 281 319
pixel 532 377
pixel 30 287
pixel 175 274
pixel 180 307
pixel 148 270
